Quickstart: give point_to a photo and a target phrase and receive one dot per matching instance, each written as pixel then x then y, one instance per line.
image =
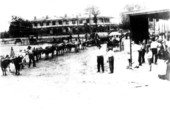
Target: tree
pixel 20 27
pixel 95 12
pixel 4 34
pixel 125 22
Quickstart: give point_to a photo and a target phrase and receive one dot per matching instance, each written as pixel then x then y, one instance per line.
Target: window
pixel 41 23
pixel 101 20
pixel 66 22
pixel 80 21
pixel 60 22
pixel 35 24
pixel 107 20
pixel 87 20
pixel 54 23
pixel 73 22
pixel 48 23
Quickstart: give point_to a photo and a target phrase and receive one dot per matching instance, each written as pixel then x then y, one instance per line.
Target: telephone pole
pixel 78 27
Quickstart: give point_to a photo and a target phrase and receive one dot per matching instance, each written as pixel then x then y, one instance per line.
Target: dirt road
pixel 69 86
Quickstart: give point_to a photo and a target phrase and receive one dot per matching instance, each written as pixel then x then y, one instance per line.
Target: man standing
pixel 31 57
pixel 97 39
pixel 140 54
pixel 12 54
pixel 149 57
pixel 76 45
pixel 154 46
pixel 100 59
pixel 110 55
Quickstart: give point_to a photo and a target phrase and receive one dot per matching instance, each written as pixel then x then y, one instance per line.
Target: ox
pixel 18 63
pixel 37 53
pixel 60 48
pixel 4 64
pixel 48 50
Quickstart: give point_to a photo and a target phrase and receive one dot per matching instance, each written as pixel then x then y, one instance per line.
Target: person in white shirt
pixel 135 55
pixel 149 57
pixel 100 59
pixel 154 48
pixel 12 53
pixel 126 44
pixel 110 56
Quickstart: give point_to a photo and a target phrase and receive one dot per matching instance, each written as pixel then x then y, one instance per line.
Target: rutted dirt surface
pixel 70 86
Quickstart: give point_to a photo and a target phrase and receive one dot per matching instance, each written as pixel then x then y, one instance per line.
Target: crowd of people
pixel 146 51
pixel 149 51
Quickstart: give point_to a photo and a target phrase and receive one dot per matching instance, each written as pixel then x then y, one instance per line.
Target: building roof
pixel 63 18
pixel 162 13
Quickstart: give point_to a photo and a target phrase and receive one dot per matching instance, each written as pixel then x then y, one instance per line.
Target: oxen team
pixel 23 58
pixel 33 54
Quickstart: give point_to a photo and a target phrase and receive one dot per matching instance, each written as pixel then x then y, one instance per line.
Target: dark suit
pixel 100 63
pixel 111 64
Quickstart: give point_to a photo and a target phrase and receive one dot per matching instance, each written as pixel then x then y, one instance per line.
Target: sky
pixel 27 9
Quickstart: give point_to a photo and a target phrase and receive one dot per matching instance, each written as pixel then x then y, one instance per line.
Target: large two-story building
pixel 73 25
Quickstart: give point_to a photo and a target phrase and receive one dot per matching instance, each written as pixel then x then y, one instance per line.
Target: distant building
pixel 67 25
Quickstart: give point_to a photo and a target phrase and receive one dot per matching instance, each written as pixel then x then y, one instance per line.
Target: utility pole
pixel 154 25
pixel 19 29
pixel 130 36
pixel 90 23
pixel 78 27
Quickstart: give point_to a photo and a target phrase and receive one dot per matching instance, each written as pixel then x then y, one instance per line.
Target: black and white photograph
pixel 85 58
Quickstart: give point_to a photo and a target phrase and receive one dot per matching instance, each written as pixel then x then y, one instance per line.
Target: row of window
pixel 60 22
pixel 73 30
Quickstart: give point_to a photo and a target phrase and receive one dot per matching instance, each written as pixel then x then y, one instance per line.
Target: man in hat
pixel 100 58
pixel 31 57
